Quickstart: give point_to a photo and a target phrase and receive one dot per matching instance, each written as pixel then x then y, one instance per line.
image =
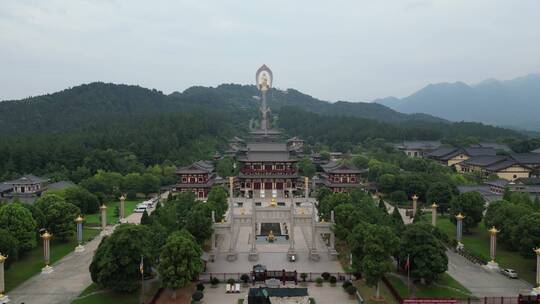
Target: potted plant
pixel 200 287
pixel 325 276
pixel 244 278
pixel 319 281
pixel 303 275
pixel 346 284
pixel 351 290
pixel 333 280
pixel 197 296
pixel 214 282
pixel 231 281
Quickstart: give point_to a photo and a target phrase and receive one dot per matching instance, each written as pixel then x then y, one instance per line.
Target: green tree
pixel 347 216
pixel 149 184
pixel 332 201
pixel 505 216
pixel 440 193
pixel 18 221
pixel 387 183
pixel 380 242
pixel 426 253
pixel 360 161
pixel 180 261
pixel 470 204
pixel 9 246
pixel 199 225
pixel 87 202
pixel 217 199
pixel 307 168
pixel 225 167
pixel 116 262
pixel 397 220
pixel 526 234
pixel 145 219
pixel 59 216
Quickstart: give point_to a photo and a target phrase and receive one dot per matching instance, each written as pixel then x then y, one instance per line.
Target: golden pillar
pixel 46 236
pixel 537 289
pixel 3 298
pixel 434 207
pixel 103 209
pixel 79 221
pixel 414 204
pixel 122 207
pixel 459 227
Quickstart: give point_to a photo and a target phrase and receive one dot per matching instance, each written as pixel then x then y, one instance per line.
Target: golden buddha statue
pixel 270 237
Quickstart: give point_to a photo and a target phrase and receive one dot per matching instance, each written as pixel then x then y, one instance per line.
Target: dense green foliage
pixel 471 205
pixel 180 260
pixel 59 216
pixel 116 262
pixel 18 221
pixel 516 217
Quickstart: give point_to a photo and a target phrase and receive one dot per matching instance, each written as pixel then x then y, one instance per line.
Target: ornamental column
pixel 306 188
pixel 414 204
pixel 434 214
pixel 291 251
pixel 332 235
pixel 103 209
pixel 122 208
pixel 3 298
pixel 46 252
pixel 536 290
pixel 459 229
pixel 493 247
pixel 79 220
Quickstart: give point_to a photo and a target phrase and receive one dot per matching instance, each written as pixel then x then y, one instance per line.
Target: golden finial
pixel 493 230
pixel 460 216
pixel 79 219
pixel 122 197
pixel 537 251
pixel 434 205
pixel 322 220
pixel 414 197
pixel 2 258
pixel 222 220
pixel 103 207
pixel 46 235
pixel 273 202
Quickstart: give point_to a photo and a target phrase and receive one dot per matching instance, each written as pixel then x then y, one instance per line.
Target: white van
pixel 139 209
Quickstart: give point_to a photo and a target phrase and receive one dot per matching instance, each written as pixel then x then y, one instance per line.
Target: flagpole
pixel 141 269
pixel 408 274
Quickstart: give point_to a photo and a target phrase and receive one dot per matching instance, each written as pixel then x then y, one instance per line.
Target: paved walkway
pixel 481 281
pixel 69 278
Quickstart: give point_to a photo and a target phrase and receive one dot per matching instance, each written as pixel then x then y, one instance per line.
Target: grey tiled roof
pixel 484 160
pixel 501 165
pixel 527 158
pixel 28 179
pixel 200 167
pixel 60 185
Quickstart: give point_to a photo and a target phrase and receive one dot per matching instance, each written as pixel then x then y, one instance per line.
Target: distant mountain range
pixel 511 103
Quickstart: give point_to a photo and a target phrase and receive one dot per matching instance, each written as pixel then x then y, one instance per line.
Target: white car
pixel 510 273
pixel 139 209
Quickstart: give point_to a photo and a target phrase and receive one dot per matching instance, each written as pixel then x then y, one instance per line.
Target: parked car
pixel 510 273
pixel 139 209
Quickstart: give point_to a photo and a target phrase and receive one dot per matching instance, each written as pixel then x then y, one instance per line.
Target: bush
pixel 312 301
pixel 319 281
pixel 214 281
pixel 240 301
pixel 303 275
pixel 325 276
pixel 131 195
pixel 244 278
pixel 231 281
pixel 333 280
pixel 351 290
pixel 346 284
pixel 197 296
pixel 200 287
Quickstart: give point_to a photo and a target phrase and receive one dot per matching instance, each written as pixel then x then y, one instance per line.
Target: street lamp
pixel 122 206
pixel 459 229
pixel 414 204
pixel 493 247
pixel 46 252
pixel 536 290
pixel 103 209
pixel 3 298
pixel 434 207
pixel 79 220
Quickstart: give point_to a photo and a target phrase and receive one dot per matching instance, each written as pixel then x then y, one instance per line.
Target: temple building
pixel 198 177
pixel 339 176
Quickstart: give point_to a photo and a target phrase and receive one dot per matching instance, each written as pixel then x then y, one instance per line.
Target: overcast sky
pixel 334 50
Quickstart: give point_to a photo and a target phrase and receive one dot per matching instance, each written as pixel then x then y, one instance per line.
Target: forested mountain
pixel 103 102
pixel 513 103
pixel 125 128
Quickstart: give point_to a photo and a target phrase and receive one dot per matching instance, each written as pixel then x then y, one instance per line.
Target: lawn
pixel 32 262
pixel 445 287
pixel 368 293
pixel 94 295
pixel 94 219
pixel 477 242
